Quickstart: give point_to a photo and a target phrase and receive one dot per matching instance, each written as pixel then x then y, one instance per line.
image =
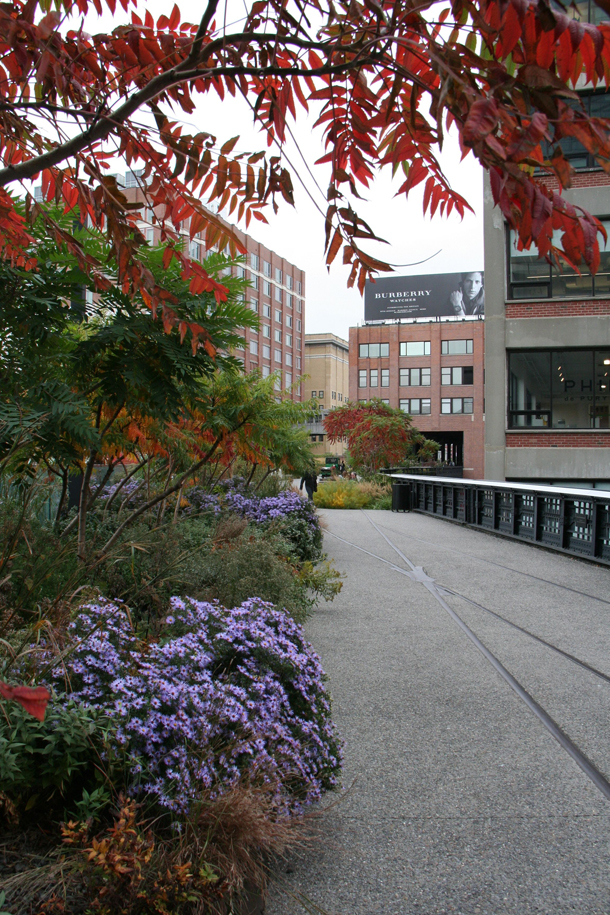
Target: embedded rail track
pixel 440 593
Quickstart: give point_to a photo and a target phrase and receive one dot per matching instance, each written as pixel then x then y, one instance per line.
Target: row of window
pixel 559 389
pixel 319 395
pixel 265 351
pixel 420 377
pixel 266 312
pixel 265 330
pixel 421 406
pixel 415 348
pixel 278 275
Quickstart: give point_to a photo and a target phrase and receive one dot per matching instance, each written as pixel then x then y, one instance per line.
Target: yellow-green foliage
pixel 348 494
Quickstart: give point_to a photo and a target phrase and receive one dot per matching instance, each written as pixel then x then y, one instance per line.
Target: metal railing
pixel 574 521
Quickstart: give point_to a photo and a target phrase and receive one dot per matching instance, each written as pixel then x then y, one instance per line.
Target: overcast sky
pixel 446 245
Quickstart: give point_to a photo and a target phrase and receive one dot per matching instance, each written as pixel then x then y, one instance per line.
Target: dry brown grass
pixel 133 867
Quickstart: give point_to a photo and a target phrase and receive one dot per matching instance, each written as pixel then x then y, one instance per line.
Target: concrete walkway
pixel 459 800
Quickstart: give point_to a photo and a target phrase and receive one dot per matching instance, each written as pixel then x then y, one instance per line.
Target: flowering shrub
pixel 199 500
pixel 223 694
pixel 295 519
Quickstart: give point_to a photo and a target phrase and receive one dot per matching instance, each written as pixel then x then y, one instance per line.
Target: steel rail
pixel 416 573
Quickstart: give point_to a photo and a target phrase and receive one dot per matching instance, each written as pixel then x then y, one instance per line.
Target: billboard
pixel 436 295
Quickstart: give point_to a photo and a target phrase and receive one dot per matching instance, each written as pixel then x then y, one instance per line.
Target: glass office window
pixel 385 378
pixel 374 375
pixel 561 389
pixel 373 350
pixel 266 268
pixel 414 377
pixel 456 347
pixel 362 378
pixel 415 348
pixel 254 261
pixel 457 375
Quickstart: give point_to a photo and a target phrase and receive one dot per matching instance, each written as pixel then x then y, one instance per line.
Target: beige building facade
pixel 326 367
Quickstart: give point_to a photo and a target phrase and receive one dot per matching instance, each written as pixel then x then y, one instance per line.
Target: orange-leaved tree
pixel 377 435
pixel 388 78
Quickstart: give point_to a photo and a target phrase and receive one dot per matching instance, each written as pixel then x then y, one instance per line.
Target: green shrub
pixel 54 765
pixel 355 495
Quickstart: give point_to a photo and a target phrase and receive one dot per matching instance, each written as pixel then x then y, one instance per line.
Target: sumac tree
pixel 388 79
pixel 377 435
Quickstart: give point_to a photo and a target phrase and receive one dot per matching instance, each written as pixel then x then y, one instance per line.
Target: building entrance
pixel 451 447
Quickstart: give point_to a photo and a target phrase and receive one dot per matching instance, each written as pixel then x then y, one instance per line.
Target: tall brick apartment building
pixel 277 295
pixel 434 372
pixel 548 348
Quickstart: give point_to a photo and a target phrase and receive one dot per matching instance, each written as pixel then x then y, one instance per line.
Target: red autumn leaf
pixel 34 699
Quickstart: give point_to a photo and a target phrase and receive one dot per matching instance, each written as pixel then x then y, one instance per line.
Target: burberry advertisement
pixel 437 295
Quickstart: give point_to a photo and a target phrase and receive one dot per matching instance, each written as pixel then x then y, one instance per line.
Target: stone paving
pixel 455 797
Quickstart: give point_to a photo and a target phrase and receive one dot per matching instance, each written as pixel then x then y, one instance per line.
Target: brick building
pixel 548 347
pixel 327 381
pixel 434 372
pixel 277 295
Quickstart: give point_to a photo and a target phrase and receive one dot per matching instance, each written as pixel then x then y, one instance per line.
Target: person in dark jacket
pixel 469 299
pixel 311 484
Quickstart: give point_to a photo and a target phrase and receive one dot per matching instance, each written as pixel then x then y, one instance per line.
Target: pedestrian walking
pixel 310 481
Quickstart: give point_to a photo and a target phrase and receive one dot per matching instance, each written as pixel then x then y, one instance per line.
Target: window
pixel 288 320
pixel 594 104
pixel 560 389
pixel 289 282
pixel 314 394
pixel 457 405
pixel 266 352
pixel 456 347
pixel 583 11
pixel 385 378
pixel 254 347
pixel 278 294
pixel 298 326
pixel 456 375
pixel 278 316
pixel 288 339
pixel 278 275
pixel 266 371
pixel 278 356
pixel 333 395
pixel 277 335
pixel 266 268
pixel 241 271
pixel 288 358
pixel 288 378
pixel 254 261
pixel 267 288
pixel 415 348
pixel 278 384
pixel 38 193
pixel 298 362
pixel 266 330
pixel 414 377
pixel 374 350
pixel 299 287
pixel 150 236
pixel 385 401
pixel 374 382
pixel 132 179
pixel 416 406
pixel 362 378
pixel 254 304
pixel 299 306
pixel 298 343
pixel 254 281
pixel 266 310
pixel 320 394
pixel 532 278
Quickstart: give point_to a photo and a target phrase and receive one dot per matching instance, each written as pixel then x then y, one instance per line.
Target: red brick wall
pixel 557 309
pixel 592 439
pixel 472 425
